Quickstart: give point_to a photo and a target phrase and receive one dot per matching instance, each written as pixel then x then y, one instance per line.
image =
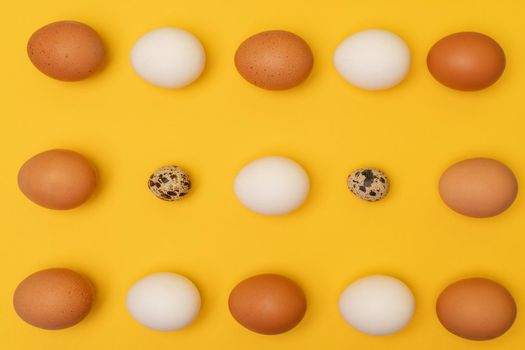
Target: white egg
pixel 272 185
pixel 377 305
pixel 168 57
pixel 373 59
pixel 164 301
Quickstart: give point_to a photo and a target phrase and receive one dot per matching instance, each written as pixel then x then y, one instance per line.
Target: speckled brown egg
pixel 466 61
pixel 169 183
pixel 478 187
pixel 476 309
pixel 57 179
pixel 66 50
pixel 267 304
pixel 369 184
pixel 54 298
pixel 274 60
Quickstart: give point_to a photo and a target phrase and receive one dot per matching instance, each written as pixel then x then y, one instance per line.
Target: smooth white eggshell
pixel 377 305
pixel 164 301
pixel 272 185
pixel 168 57
pixel 373 59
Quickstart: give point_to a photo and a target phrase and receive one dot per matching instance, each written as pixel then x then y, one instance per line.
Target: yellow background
pixel 128 128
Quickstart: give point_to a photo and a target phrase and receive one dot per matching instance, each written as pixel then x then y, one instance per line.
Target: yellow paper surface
pixel 212 128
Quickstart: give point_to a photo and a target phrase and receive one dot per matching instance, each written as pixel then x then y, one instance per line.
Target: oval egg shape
pixel 55 298
pixel 476 309
pixel 478 187
pixel 466 61
pixel 267 304
pixel 274 60
pixel 66 50
pixel 57 179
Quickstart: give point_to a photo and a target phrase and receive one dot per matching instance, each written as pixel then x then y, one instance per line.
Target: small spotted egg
pixel 369 184
pixel 169 183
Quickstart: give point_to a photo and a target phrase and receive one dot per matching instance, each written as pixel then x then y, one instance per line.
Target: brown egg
pixel 274 60
pixel 268 304
pixel 66 50
pixel 57 179
pixel 476 309
pixel 54 298
pixel 466 61
pixel 478 187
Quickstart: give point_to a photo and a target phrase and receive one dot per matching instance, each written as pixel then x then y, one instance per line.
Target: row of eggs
pixel 64 179
pixel 473 308
pixel 276 60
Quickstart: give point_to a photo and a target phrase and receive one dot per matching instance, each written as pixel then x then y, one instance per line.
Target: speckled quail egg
pixel 368 184
pixel 169 183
